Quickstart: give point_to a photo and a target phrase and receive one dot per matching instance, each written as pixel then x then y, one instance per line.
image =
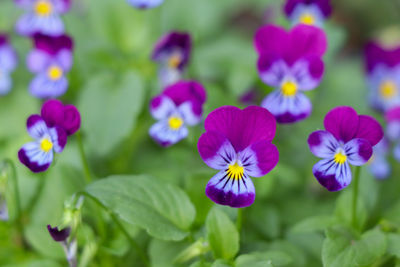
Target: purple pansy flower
pixel 178 106
pixel 144 4
pixel 383 76
pixel 51 59
pixel 378 164
pixel 8 62
pixel 172 53
pixel 392 117
pixel 59 235
pixel 310 12
pixel 348 139
pixel 42 16
pixel 291 62
pixel 50 131
pixel 237 143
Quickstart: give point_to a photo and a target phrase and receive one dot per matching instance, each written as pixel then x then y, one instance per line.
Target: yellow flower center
pixel 235 171
pixel 307 19
pixel 43 8
pixel 175 123
pixel 340 158
pixel 46 145
pixel 54 73
pixel 174 60
pixel 388 89
pixel 289 88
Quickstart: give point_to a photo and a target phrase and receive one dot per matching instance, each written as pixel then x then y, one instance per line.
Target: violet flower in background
pixel 309 12
pixel 50 131
pixel 62 236
pixel 42 16
pixel 237 143
pixel 51 59
pixel 290 62
pixel 348 139
pixel 8 62
pixel 392 117
pixel 383 76
pixel 378 164
pixel 178 106
pixel 172 53
pixel 144 4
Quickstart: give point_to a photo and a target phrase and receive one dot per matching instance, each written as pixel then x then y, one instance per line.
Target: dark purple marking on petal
pixel 52 45
pixel 33 166
pixel 376 55
pixel 59 235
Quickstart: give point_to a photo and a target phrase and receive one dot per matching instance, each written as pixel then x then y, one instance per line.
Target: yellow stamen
pixel 174 60
pixel 46 145
pixel 175 123
pixel 54 73
pixel 43 8
pixel 388 89
pixel 235 171
pixel 340 158
pixel 307 18
pixel 289 88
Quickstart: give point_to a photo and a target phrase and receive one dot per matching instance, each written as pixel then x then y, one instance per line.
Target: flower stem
pixel 85 164
pixel 133 243
pixel 239 219
pixel 355 196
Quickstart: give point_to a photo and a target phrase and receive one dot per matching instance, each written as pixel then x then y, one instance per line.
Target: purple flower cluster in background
pixel 291 62
pixel 50 130
pixel 8 62
pixel 309 12
pixel 144 4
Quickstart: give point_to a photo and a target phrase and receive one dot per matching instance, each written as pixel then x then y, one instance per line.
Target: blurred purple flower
pixel 51 59
pixel 144 4
pixel 59 235
pixel 348 138
pixel 378 164
pixel 237 143
pixel 8 62
pixel 178 106
pixel 50 131
pixel 172 53
pixel 42 16
pixel 392 117
pixel 309 12
pixel 291 62
pixel 383 76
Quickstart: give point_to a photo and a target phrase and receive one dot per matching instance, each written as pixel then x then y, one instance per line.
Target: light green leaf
pixel 394 245
pixel 344 212
pixel 109 106
pixel 341 249
pixel 162 253
pixel 164 210
pixel 222 235
pixel 270 258
pixel 316 223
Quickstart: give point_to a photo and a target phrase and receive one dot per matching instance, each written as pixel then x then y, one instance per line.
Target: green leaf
pixel 109 106
pixel 316 223
pixel 163 253
pixel 341 249
pixel 40 239
pixel 393 245
pixel 344 211
pixel 259 259
pixel 222 235
pixel 221 263
pixel 164 210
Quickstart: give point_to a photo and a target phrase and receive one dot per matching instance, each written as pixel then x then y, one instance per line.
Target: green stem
pixel 239 219
pixel 139 250
pixel 85 164
pixel 355 196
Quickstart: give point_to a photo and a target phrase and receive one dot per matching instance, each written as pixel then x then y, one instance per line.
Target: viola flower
pixel 8 62
pixel 392 117
pixel 172 53
pixel 237 143
pixel 348 139
pixel 309 12
pixel 42 16
pixel 290 62
pixel 50 131
pixel 383 76
pixel 61 236
pixel 144 4
pixel 178 106
pixel 378 164
pixel 50 60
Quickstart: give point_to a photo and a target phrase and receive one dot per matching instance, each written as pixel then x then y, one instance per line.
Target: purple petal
pixel 369 129
pixel 393 131
pixel 376 55
pixel 38 61
pixel 259 158
pixel 323 5
pixel 58 138
pixel 8 58
pixel 191 112
pixel 52 112
pixel 272 69
pixel 242 127
pixel 332 176
pixel 392 115
pixel 184 91
pixel 5 83
pixel 161 107
pixel 34 158
pixel 29 24
pixel 65 59
pixel 271 39
pixel 396 152
pixel 59 235
pixel 144 4
pixel 358 151
pixel 36 127
pixel 236 193
pixel 322 144
pixel 168 76
pixel 42 87
pixel 72 119
pixel 164 135
pixel 379 166
pixel 216 150
pixel 342 122
pixel 308 72
pixel 287 109
pixel 53 45
pixel 62 6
